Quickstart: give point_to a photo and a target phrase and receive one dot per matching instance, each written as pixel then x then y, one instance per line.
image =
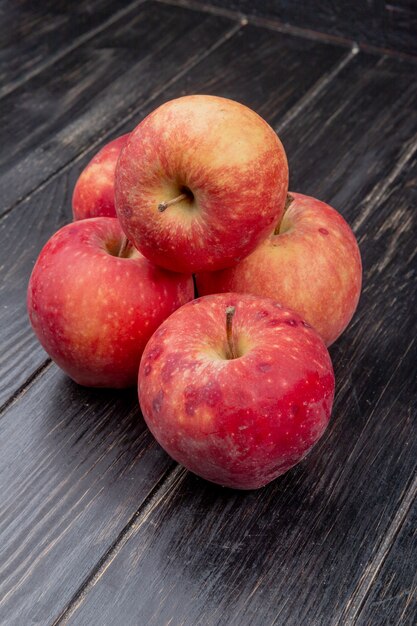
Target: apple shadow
pixel 212 545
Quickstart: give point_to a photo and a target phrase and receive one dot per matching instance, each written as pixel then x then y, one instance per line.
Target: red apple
pixel 236 400
pixel 94 190
pixel 200 183
pixel 311 263
pixel 94 301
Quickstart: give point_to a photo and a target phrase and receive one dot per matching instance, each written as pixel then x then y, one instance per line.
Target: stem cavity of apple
pixel 289 200
pixel 123 247
pixel 231 350
pixel 162 206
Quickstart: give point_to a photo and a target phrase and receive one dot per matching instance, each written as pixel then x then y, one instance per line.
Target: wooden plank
pixel 23 233
pixel 386 25
pixel 259 58
pixel 75 464
pixel 266 70
pixel 393 595
pixel 69 105
pixel 297 550
pixel 355 134
pixel 33 35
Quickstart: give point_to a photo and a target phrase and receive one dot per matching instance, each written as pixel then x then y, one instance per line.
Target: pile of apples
pixel 237 385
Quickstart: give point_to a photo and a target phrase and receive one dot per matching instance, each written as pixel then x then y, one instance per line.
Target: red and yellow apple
pixel 94 190
pixel 200 183
pixel 236 388
pixel 311 263
pixel 94 301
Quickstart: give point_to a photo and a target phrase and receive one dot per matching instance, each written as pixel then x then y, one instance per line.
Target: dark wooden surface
pixel 34 35
pixel 97 524
pixel 387 24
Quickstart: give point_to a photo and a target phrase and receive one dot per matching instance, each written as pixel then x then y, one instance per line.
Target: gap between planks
pixel 166 485
pixel 169 483
pixel 53 58
pixel 311 95
pixel 359 596
pixel 30 380
pixel 107 132
pixel 317 88
pixel 282 27
pixel 228 35
pixel 379 190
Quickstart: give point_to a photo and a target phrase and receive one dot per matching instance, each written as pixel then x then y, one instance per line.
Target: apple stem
pixel 230 311
pixel 164 205
pixel 123 247
pixel 289 200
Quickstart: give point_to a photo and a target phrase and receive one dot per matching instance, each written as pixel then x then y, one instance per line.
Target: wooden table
pixel 97 525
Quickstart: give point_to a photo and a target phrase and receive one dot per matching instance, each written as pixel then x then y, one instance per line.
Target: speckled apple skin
pixel 231 160
pixel 312 266
pixel 93 312
pixel 94 190
pixel 240 422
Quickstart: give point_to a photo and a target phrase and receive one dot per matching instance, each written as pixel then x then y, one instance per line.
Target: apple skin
pixel 94 190
pixel 236 422
pixel 313 265
pixel 93 312
pixel 227 159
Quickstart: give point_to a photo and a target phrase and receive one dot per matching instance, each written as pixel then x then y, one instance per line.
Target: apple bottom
pixel 239 422
pixel 241 460
pixel 94 301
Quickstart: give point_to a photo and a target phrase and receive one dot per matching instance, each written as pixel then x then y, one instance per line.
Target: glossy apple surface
pixel 225 166
pixel 311 264
pixel 92 310
pixel 243 421
pixel 94 190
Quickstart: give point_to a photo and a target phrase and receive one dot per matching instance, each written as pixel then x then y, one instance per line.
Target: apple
pixel 200 183
pixel 311 263
pixel 94 190
pixel 94 301
pixel 236 388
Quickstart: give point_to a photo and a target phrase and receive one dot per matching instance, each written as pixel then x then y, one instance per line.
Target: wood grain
pixel 23 233
pixel 75 464
pixel 393 597
pixel 268 71
pixel 250 57
pixel 380 23
pixel 68 106
pixel 354 134
pixel 294 552
pixel 33 35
